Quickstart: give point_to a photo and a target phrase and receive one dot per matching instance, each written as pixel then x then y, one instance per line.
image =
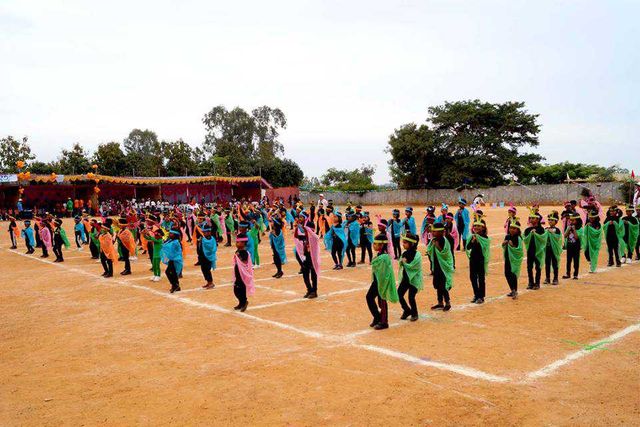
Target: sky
pixel 345 73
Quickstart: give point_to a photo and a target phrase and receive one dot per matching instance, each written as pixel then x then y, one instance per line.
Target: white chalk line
pixel 552 367
pixel 342 340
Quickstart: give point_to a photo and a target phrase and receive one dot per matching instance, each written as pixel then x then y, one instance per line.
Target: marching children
pixel 410 275
pixel 573 236
pixel 553 249
pixel 592 240
pixel 59 239
pixel 154 241
pixel 308 249
pixel 94 240
pixel 28 235
pixel 171 254
pixel 366 237
pixel 631 231
pixel 513 252
pixel 477 249
pixel 439 252
pixel 535 239
pixel 13 232
pixel 108 253
pixel 208 256
pixel 276 240
pixel 243 284
pixel 45 239
pixel 408 223
pixel 614 235
pixel 395 228
pixel 462 221
pixel 79 233
pixel 352 231
pixel 126 245
pixel 383 285
pixel 336 241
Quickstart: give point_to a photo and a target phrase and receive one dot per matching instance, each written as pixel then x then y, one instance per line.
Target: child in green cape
pixel 573 235
pixel 631 231
pixel 592 240
pixel 410 275
pixel 535 239
pixel 614 235
pixel 477 249
pixel 439 252
pixel 513 252
pixel 383 284
pixel 553 249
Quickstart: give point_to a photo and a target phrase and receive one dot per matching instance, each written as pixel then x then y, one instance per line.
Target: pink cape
pixel 314 249
pixel 246 273
pixel 45 236
pixel 223 227
pixel 456 236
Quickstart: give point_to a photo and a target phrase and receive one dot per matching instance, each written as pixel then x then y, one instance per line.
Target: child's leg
pixel 335 255
pixel 547 265
pixel 125 258
pixel 402 289
pixel 412 300
pixel 240 291
pixel 384 311
pixel 228 238
pixel 372 294
pixel 538 269
pixel 78 239
pixel 277 262
pixel 481 280
pixel 205 267
pixel 473 277
pixel 155 266
pixel 530 262
pixel 103 261
pixel 369 249
pixel 363 248
pixel 554 265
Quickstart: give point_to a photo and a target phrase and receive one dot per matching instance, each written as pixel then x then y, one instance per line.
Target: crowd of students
pixel 389 245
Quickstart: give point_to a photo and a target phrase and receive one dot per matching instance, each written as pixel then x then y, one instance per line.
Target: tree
pixel 43 168
pixel 111 160
pixel 282 172
pixel 144 153
pixel 359 179
pixel 179 158
pixel 11 151
pixel 557 173
pixel 74 161
pixel 465 142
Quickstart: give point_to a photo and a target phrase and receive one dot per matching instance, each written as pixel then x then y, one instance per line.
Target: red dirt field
pixel 78 349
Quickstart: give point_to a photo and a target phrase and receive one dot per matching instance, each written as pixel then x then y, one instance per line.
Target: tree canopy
pixel 11 151
pixel 464 142
pixel 359 179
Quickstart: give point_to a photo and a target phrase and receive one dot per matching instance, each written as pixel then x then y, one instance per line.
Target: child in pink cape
pixel 45 237
pixel 243 284
pixel 308 249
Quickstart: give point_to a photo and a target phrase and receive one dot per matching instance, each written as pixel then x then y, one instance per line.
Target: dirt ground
pixel 77 349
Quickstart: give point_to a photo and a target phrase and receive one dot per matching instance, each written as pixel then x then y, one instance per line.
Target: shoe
pixel 279 275
pixel 480 301
pixel 530 286
pixel 208 286
pixel 306 295
pixel 125 273
pixel 335 267
pixel 244 307
pixel 618 265
pixel 546 281
pixel 474 300
pixel 414 318
pixel 447 307
pixel 237 307
pixel 536 287
pixel 108 275
pixel 566 276
pixel 175 289
pixel 575 277
pixel 381 326
pixel 157 279
pixel 555 282
pixel 152 279
pixel 405 315
pixel 515 295
pixel 300 272
pixel 339 267
pixel 196 264
pixel 13 247
pixel 437 307
pixel 313 295
pixel 373 324
pixel 104 274
pixel 609 264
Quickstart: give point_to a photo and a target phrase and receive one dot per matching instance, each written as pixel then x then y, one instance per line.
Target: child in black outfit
pixel 573 245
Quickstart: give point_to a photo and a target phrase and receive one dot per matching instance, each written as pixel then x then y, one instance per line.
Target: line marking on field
pixel 336 339
pixel 552 367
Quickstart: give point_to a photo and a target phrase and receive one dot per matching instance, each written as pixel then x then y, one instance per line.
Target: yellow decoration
pixel 20 164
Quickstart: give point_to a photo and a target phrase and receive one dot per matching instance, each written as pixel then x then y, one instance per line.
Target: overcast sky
pixel 346 73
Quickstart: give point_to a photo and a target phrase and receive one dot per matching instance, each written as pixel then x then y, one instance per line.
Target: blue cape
pixel 277 245
pixel 80 227
pixel 27 233
pixel 289 218
pixel 368 232
pixel 408 225
pixel 210 250
pixel 339 233
pixel 395 227
pixel 354 232
pixel 172 251
pixel 466 220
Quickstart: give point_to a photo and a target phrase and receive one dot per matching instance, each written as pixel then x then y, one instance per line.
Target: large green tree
pixel 144 153
pixel 74 161
pixel 12 150
pixel 465 142
pixel 349 180
pixel 179 156
pixel 111 160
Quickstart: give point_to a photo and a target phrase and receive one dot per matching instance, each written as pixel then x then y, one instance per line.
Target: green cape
pixel 619 225
pixel 65 240
pixel 541 244
pixel 228 222
pixel 94 238
pixel 555 240
pixel 382 270
pixel 592 237
pixel 445 259
pixel 255 235
pixel 485 245
pixel 516 255
pixel 632 238
pixel 157 246
pixel 414 271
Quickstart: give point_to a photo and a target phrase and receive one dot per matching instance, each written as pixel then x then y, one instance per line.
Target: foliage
pixel 179 158
pixel 143 153
pixel 111 160
pixel 74 161
pixel 464 142
pixel 13 150
pixel 557 173
pixel 360 179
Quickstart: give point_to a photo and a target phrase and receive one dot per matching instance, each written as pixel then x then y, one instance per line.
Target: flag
pixel 633 175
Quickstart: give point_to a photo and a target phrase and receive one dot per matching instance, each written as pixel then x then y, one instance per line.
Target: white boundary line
pixel 552 367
